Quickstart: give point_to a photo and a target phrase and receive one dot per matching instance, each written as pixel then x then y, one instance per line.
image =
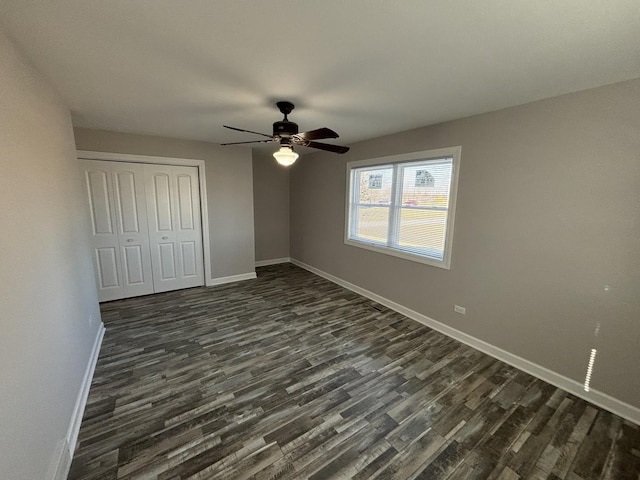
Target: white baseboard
pixel 62 463
pixel 83 394
pixel 230 279
pixel 600 399
pixel 64 453
pixel 273 261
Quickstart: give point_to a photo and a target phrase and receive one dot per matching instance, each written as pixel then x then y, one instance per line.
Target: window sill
pixel 444 264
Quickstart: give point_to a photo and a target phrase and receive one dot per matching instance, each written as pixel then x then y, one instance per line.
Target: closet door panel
pixel 185 204
pixel 167 261
pixel 131 209
pixel 134 265
pixel 162 202
pixel 189 231
pixel 107 268
pixel 173 201
pixel 104 238
pixel 125 183
pixel 99 203
pixel 189 259
pixel 120 238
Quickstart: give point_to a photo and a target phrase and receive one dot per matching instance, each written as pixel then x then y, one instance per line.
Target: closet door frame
pixel 188 162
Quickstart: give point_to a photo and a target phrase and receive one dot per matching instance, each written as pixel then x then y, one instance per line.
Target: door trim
pixel 188 162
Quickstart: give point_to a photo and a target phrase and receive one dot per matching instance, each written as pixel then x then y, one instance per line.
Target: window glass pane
pixel 422 231
pixel 375 186
pixel 427 184
pixel 373 223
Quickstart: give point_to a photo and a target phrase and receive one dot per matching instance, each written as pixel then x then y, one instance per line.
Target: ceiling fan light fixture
pixel 285 156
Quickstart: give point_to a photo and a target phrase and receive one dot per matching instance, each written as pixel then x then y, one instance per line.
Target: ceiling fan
pixel 286 134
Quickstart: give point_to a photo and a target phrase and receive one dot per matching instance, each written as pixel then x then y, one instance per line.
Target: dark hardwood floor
pixel 292 377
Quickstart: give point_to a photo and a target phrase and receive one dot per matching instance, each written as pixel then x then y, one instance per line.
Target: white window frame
pixel 455 154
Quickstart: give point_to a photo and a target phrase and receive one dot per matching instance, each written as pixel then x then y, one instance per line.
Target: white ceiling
pixel 364 68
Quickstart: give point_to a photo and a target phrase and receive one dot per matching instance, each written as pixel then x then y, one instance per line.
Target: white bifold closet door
pixel 146 227
pixel 175 237
pixel 120 237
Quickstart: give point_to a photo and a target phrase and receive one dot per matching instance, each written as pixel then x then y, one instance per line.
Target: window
pixel 404 205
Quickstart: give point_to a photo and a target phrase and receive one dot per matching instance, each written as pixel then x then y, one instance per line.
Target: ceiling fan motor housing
pixel 285 128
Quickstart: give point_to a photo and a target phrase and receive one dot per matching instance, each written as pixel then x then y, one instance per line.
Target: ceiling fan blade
pixel 324 146
pixel 247 131
pixel 318 134
pixel 253 141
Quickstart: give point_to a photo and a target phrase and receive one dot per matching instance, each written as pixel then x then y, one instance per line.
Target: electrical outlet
pixel 459 309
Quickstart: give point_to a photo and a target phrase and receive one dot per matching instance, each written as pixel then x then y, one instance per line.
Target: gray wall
pixel 47 291
pixel 271 207
pixel 547 234
pixel 229 189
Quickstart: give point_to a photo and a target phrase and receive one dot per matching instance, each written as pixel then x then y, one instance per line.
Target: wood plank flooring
pixel 290 376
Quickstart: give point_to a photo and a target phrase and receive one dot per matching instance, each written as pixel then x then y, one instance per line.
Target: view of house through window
pixel 404 207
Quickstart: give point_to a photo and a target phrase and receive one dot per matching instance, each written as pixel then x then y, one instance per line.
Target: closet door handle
pixel 129 239
pixel 165 238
